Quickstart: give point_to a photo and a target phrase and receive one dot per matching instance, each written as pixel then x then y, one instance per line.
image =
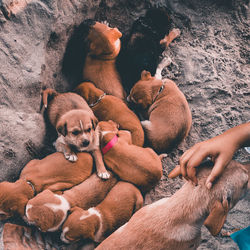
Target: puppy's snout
pixel 85 143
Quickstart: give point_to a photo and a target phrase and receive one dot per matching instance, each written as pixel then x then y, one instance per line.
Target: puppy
pixel 75 123
pixel 175 223
pixel 53 172
pixel 48 210
pixel 140 166
pixel 98 222
pixel 165 110
pixel 108 107
pixel 142 48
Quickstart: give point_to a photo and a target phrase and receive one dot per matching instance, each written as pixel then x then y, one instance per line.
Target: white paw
pixel 105 22
pixel 146 124
pixel 70 157
pixel 103 175
pixel 177 32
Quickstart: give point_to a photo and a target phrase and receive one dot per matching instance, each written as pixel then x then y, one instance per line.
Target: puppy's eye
pixel 88 130
pixel 76 132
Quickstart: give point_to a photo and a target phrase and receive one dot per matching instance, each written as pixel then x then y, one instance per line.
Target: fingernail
pixel 209 185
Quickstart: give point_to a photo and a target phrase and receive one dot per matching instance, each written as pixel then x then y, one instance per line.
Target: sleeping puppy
pixel 48 210
pixel 108 107
pixel 76 126
pixel 53 173
pixel 137 165
pixel 99 222
pixel 175 222
pixel 165 110
pixel 99 67
pixel 142 48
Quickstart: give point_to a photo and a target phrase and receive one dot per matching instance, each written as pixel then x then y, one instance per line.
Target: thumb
pixel 217 170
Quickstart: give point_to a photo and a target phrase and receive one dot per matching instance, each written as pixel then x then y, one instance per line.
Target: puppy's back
pixel 62 103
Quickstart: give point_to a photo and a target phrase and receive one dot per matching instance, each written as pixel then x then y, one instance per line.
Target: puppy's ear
pixel 217 217
pixel 94 122
pixel 145 75
pixel 62 128
pixel 116 125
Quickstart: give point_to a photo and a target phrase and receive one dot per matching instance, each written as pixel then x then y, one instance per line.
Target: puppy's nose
pixel 85 143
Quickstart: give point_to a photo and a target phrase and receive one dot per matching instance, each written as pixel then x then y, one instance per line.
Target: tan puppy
pixel 75 123
pixel 140 166
pixel 99 67
pixel 53 172
pixel 165 110
pixel 108 107
pixel 48 211
pixel 175 223
pixel 98 222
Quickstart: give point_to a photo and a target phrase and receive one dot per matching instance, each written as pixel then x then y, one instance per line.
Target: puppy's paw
pixel 176 32
pixel 71 157
pixel 146 124
pixel 103 175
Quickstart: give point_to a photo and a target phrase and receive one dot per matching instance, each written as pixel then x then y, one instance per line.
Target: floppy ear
pixel 217 217
pixel 62 128
pixel 94 122
pixel 145 75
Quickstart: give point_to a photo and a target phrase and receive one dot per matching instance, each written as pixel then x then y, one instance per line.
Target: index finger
pixel 175 172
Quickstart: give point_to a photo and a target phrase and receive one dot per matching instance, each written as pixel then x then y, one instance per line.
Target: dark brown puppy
pixel 75 123
pixel 54 173
pixel 165 110
pixel 108 107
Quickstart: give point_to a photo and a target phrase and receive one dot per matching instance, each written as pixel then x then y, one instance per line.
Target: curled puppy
pixel 108 107
pixel 76 124
pixel 54 173
pixel 142 48
pixel 137 165
pixel 175 222
pixel 48 210
pixel 167 117
pixel 99 222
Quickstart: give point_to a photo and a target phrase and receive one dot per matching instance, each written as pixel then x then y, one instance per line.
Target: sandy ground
pixel 210 64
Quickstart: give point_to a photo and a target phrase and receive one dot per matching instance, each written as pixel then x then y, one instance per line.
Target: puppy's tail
pixel 47 96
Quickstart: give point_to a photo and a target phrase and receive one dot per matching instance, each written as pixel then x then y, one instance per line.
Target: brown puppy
pixel 140 166
pixel 75 123
pixel 108 107
pixel 48 211
pixel 99 222
pixel 99 67
pixel 175 222
pixel 165 110
pixel 53 172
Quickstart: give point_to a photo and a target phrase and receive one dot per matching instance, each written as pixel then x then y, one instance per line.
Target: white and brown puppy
pixel 99 222
pixel 75 123
pixel 175 222
pixel 165 110
pixel 108 107
pixel 53 172
pixel 48 210
pixel 134 164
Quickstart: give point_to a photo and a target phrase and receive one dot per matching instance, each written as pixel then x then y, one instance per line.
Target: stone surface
pixel 210 65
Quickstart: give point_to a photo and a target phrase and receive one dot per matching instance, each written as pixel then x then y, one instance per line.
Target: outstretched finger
pixel 175 172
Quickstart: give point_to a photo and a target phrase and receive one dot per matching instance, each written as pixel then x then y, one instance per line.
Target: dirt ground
pixel 210 64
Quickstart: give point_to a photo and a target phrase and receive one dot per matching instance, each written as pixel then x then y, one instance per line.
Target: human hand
pixel 221 150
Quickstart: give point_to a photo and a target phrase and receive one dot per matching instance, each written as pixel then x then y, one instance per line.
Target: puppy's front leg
pixel 100 167
pixel 61 146
pixel 174 33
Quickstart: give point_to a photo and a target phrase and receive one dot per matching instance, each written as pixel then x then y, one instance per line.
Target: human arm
pixel 221 150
